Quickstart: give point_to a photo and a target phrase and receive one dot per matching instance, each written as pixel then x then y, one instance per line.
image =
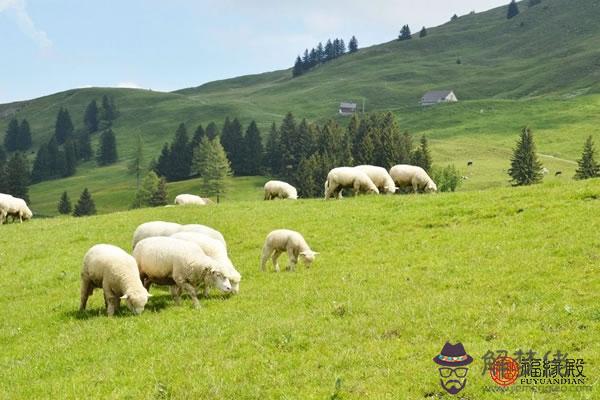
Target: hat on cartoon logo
pixel 453 361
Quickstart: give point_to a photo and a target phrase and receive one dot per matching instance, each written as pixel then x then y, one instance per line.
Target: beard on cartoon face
pixel 453 386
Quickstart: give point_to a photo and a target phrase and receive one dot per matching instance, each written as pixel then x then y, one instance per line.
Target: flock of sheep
pixel 183 257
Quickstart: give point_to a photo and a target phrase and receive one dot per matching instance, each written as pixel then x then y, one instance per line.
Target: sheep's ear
pixel 125 297
pixel 150 295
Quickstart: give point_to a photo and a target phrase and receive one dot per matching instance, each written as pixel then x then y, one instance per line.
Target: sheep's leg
pixel 292 259
pixel 175 293
pixel 146 281
pixel 111 303
pixel 415 186
pixel 266 252
pixel 192 292
pixel 86 291
pixel 276 255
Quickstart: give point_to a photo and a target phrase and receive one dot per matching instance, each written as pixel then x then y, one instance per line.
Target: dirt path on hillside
pixel 558 159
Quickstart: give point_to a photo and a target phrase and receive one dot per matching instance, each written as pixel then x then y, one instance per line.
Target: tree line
pixel 322 54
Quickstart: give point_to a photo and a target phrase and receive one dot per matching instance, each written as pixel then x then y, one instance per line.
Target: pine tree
pixel 422 156
pixel 136 165
pixel 159 197
pixel 84 145
pixel 272 160
pixel 212 131
pixel 305 60
pixel 587 165
pixel 298 67
pixel 64 204
pixel 513 10
pixel 107 150
pixel 24 138
pixel 180 160
pixel 2 155
pixel 232 140
pixel 363 147
pixel 198 135
pixel 56 159
pixel 12 135
pixel 329 51
pixel 17 176
pixel 90 118
pixel 312 58
pixel 70 151
pixel 387 153
pixel 63 129
pixel 108 113
pixel 334 143
pixel 3 178
pixel 211 162
pixel 454 18
pixel 320 53
pixel 163 165
pixel 41 166
pixel 288 146
pixel 253 150
pixel 405 33
pixel 405 149
pixel 525 168
pixel 342 47
pixel 336 48
pixel 85 205
pixel 148 194
pixel 423 32
pixel 305 177
pixel 353 45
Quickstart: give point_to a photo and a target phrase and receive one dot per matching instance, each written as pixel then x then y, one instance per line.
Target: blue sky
pixel 53 45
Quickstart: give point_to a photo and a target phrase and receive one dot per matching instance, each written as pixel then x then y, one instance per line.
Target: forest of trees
pixel 322 54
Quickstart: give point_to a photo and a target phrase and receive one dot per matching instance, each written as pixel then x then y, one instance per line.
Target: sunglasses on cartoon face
pixel 459 372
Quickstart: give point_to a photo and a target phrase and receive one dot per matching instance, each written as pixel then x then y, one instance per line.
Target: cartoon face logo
pixel 453 360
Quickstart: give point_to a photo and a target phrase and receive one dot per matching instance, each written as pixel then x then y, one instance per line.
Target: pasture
pixel 397 277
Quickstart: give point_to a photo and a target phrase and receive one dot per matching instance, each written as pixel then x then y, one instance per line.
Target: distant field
pixel 397 277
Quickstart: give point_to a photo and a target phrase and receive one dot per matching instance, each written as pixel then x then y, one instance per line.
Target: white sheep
pixel 217 251
pixel 189 200
pixel 380 177
pixel 410 175
pixel 348 178
pixel 281 190
pixel 112 269
pixel 205 230
pixel 162 228
pixel 14 207
pixel 292 242
pixel 179 264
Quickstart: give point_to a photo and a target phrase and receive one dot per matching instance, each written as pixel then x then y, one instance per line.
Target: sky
pixel 47 46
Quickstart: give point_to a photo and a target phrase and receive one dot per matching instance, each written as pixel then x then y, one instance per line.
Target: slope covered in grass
pixel 397 277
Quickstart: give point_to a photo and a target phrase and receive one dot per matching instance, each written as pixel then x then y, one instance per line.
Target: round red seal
pixel 504 371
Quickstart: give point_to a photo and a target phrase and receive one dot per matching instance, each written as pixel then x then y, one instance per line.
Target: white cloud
pixel 129 85
pixel 19 10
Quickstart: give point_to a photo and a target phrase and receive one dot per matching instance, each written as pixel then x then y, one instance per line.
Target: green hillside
pixel 508 268
pixel 539 69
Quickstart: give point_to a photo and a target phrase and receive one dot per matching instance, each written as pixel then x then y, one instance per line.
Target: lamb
pixel 112 269
pixel 281 240
pixel 189 200
pixel 380 177
pixel 162 228
pixel 410 175
pixel 179 264
pixel 348 177
pixel 279 189
pixel 215 250
pixel 15 207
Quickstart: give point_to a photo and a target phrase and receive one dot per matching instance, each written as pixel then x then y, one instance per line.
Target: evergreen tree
pixel 147 194
pixel 3 178
pixel 180 160
pixel 423 32
pixel 320 53
pixel 211 162
pixel 405 33
pixel 232 140
pixel 305 177
pixel 84 144
pixel 422 156
pixel 306 60
pixel 298 67
pixel 329 51
pixel 163 165
pixel 107 150
pixel 24 138
pixel 513 10
pixel 159 197
pixel 525 168
pixel 273 151
pixel 363 148
pixel 387 153
pixel 405 149
pixel 212 131
pixel 108 112
pixel 454 17
pixel 90 118
pixel 253 150
pixel 70 151
pixel 336 48
pixel 42 166
pixel 342 47
pixel 353 45
pixel 63 128
pixel 136 165
pixel 2 155
pixel 334 144
pixel 56 159
pixel 587 165
pixel 312 58
pixel 198 135
pixel 17 176
pixel 64 204
pixel 85 205
pixel 288 146
pixel 12 135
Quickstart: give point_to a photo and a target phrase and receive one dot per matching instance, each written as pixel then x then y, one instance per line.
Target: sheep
pixel 348 177
pixel 189 200
pixel 292 242
pixel 558 173
pixel 179 264
pixel 410 175
pixel 545 171
pixel 205 230
pixel 15 207
pixel 162 228
pixel 112 269
pixel 380 177
pixel 279 189
pixel 215 250
pixel 469 163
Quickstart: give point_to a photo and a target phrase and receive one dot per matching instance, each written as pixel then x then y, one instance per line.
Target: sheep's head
pixel 308 256
pixel 136 301
pixel 220 281
pixel 431 187
pixel 27 214
pixel 390 189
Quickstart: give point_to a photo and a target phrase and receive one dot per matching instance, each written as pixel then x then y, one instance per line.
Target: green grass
pixel 397 277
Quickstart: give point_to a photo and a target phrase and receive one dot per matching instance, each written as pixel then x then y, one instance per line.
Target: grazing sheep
pixel 380 177
pixel 162 228
pixel 558 173
pixel 469 163
pixel 205 230
pixel 410 175
pixel 348 177
pixel 216 250
pixel 292 242
pixel 179 264
pixel 545 171
pixel 14 207
pixel 281 190
pixel 112 269
pixel 189 200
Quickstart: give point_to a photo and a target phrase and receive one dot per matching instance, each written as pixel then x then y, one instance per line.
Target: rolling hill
pixel 540 69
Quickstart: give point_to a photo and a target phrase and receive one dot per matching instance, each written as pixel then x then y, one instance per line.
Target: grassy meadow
pixel 397 277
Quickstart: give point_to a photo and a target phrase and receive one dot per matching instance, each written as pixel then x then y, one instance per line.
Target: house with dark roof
pixel 347 109
pixel 438 96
